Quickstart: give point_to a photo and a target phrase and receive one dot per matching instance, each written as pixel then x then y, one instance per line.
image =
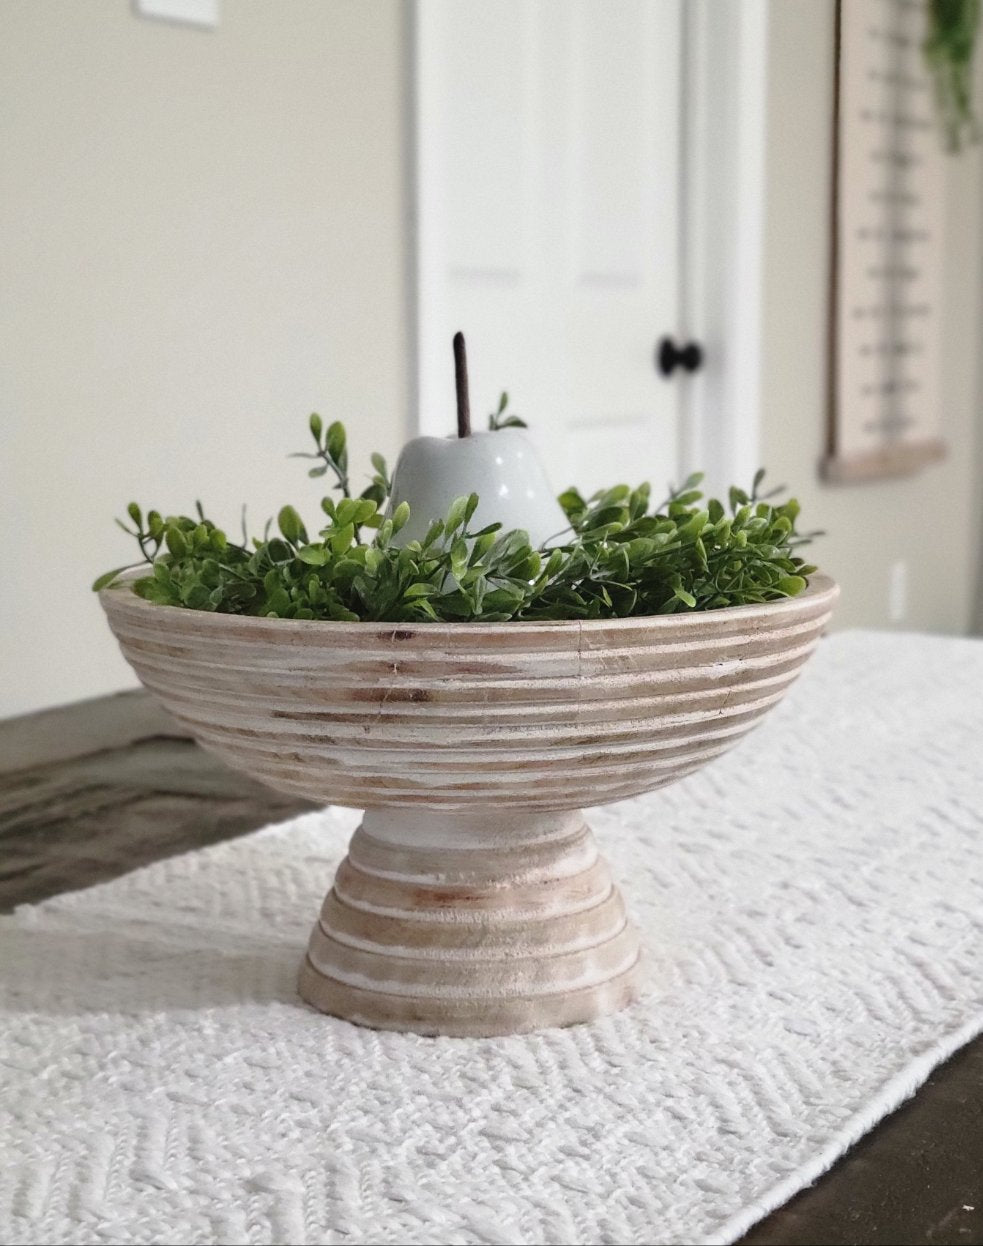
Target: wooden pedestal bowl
pixel 473 899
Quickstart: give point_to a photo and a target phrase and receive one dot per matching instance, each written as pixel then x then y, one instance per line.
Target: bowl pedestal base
pixel 471 923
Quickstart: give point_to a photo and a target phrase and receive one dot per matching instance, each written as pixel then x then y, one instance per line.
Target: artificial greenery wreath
pixel 619 557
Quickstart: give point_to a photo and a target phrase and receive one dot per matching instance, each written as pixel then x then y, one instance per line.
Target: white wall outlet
pixel 897 591
pixel 189 12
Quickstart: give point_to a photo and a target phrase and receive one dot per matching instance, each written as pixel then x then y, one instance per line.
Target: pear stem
pixel 461 381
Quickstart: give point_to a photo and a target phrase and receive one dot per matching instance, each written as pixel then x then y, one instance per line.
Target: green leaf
pixel 289 523
pixel 488 528
pixel 339 614
pixel 278 601
pixel 480 547
pixel 150 590
pixel 400 515
pixel 691 530
pixel 318 471
pixel 349 566
pixel 613 517
pixel 374 492
pixel 107 578
pixel 335 441
pixel 314 555
pixel 737 498
pixel 316 427
pixel 505 598
pixel 176 543
pixel 365 509
pixel 792 585
pixel 498 419
pixel 346 512
pixel 435 530
pixel 554 563
pixel 455 516
pixel 420 590
pixel 459 557
pixel 279 551
pixel 571 499
pixel 196 596
pixel 343 538
pixel 528 567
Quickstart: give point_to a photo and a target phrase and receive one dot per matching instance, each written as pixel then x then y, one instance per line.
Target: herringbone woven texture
pixel 813 909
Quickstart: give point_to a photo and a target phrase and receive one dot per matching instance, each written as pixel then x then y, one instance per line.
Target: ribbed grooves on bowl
pixel 539 715
pixel 485 940
pixel 373 672
pixel 529 865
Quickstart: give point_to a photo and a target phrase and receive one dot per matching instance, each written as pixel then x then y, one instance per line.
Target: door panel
pixel 548 139
pixel 476 41
pixel 611 119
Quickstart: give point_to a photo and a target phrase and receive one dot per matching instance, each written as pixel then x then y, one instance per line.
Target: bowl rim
pixel 821 590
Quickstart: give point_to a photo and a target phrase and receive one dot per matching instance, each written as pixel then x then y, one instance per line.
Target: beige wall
pixel 931 520
pixel 201 241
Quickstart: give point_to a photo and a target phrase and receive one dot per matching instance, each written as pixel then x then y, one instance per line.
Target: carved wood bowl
pixel 473 899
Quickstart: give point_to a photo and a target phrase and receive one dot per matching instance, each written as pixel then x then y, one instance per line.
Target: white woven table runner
pixel 813 910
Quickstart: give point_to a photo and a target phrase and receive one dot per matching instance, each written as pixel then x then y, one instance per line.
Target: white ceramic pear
pixel 501 467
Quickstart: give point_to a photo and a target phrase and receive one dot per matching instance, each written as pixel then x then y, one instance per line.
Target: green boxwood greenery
pixel 621 556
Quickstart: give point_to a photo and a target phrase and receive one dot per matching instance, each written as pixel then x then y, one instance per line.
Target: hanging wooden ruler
pixel 889 183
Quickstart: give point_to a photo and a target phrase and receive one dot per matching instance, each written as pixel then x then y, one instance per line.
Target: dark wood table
pixel 96 789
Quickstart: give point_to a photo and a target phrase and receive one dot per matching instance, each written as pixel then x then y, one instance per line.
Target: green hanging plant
pixel 949 46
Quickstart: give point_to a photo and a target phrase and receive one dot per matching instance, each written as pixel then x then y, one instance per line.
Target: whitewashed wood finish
pixel 474 924
pixel 472 900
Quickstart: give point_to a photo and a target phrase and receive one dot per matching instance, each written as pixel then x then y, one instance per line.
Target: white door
pixel 548 181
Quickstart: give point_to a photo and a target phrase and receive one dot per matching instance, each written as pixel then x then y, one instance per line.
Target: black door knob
pixel 669 356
